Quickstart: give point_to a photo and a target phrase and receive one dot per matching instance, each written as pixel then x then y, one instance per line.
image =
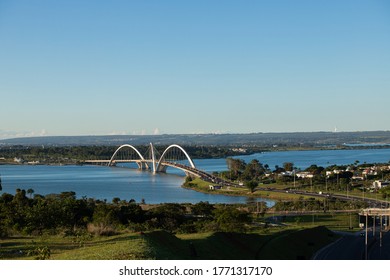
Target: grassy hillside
pixel 300 244
pixel 290 244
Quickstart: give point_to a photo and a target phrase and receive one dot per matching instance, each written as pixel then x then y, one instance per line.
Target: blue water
pixel 303 159
pixel 108 182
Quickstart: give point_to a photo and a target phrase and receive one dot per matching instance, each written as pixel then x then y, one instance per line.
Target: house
pixel 357 178
pixel 378 184
pixel 370 171
pixel 304 175
pixel 213 188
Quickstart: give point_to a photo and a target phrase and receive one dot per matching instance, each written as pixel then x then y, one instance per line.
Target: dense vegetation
pixel 334 178
pixel 64 213
pixel 60 226
pixel 75 154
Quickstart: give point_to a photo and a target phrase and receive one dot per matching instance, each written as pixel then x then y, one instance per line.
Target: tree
pixel 235 166
pixel 230 219
pixel 253 170
pixel 314 169
pixel 288 166
pixel 251 185
pixel 203 208
pixel 169 216
pixel 278 169
pixel 116 200
pixel 30 192
pixel 131 212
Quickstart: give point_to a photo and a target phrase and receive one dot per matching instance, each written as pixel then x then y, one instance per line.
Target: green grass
pixel 166 246
pixel 202 186
pixel 123 246
pixel 226 246
pixel 212 246
pixel 333 221
pixel 284 244
pixel 307 231
pixel 299 244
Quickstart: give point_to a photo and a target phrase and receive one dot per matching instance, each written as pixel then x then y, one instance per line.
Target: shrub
pixel 101 229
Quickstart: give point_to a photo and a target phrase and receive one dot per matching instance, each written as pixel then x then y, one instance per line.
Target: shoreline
pixel 35 161
pixel 200 186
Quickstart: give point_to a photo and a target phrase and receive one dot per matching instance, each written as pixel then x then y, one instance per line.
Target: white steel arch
pixel 170 147
pixel 123 146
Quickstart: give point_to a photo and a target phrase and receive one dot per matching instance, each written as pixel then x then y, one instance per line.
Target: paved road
pixel 351 246
pixel 348 247
pixel 378 252
pixel 374 203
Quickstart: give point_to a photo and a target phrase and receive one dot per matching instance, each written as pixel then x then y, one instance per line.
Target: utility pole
pixel 294 177
pixel 366 236
pixel 326 182
pixel 311 184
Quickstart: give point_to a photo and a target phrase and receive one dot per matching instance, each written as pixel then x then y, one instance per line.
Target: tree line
pixel 73 154
pixel 331 178
pixel 311 204
pixel 64 213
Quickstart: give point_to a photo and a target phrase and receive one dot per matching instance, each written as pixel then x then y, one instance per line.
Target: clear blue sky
pixel 136 67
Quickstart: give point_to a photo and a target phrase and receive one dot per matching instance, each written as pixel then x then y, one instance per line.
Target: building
pixel 378 184
pixel 304 175
pixel 213 188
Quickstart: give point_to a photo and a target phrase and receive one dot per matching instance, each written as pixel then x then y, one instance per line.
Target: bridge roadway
pixel 187 169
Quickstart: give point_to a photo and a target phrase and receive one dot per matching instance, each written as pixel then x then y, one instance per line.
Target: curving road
pixel 351 246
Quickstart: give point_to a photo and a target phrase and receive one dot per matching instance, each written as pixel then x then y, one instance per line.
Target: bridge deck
pixel 375 212
pixel 187 169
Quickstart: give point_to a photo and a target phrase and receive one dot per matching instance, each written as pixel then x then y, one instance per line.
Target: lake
pixel 108 182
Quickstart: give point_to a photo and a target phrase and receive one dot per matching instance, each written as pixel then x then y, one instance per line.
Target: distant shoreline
pixel 282 139
pixel 37 161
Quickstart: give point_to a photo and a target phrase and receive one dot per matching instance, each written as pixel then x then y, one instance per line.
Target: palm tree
pixel 30 192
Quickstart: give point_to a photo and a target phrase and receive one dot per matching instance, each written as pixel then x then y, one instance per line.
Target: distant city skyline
pixel 182 67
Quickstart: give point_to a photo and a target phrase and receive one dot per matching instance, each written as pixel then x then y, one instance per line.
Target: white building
pixel 304 175
pixel 378 184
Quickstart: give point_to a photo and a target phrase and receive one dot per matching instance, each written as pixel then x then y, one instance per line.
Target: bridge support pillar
pixel 153 158
pixel 162 169
pixel 142 165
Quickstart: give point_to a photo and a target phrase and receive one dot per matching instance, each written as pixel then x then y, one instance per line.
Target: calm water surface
pixel 106 183
pixel 303 159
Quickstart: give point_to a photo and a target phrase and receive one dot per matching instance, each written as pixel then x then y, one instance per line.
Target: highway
pixel 378 252
pixel 351 246
pixel 373 202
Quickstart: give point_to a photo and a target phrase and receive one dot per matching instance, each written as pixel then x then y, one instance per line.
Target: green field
pixel 119 247
pixel 291 244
